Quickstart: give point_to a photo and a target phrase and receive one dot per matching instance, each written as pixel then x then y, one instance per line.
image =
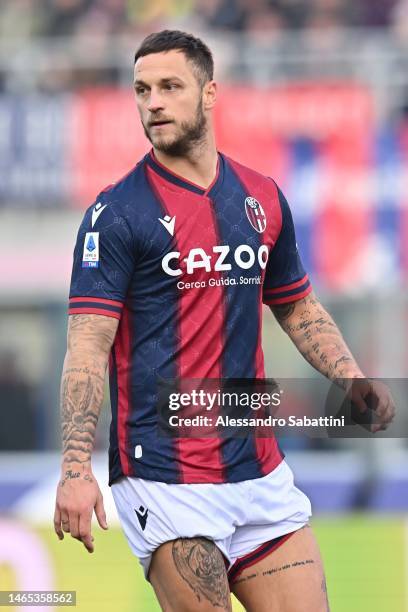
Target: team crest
pixel 255 214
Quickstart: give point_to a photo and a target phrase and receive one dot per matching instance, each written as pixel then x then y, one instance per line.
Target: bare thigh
pixel 290 579
pixel 189 575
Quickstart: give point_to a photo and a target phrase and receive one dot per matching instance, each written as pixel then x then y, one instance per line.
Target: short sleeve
pixel 285 278
pixel 104 261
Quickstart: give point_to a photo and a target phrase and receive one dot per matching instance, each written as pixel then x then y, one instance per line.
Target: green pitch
pixel 364 559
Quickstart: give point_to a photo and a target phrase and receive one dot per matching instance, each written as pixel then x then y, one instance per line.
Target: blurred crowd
pixel 87 41
pixel 50 18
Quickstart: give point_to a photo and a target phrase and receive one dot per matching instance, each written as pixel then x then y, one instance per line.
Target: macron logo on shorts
pixel 142 516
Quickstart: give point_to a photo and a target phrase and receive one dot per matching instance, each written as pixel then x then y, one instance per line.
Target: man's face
pixel 170 102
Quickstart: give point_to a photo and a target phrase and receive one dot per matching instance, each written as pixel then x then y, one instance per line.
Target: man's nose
pixel 155 102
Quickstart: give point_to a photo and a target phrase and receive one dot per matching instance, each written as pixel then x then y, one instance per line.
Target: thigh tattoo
pixel 200 564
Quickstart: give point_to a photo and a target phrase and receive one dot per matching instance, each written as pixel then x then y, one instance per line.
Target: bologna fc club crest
pixel 255 214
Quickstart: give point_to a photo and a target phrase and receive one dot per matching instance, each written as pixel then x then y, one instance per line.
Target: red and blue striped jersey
pixel 186 271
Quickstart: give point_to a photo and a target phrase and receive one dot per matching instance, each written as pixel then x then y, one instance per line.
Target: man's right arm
pixel 90 338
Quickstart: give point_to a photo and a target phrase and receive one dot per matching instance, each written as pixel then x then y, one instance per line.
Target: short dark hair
pixel 195 50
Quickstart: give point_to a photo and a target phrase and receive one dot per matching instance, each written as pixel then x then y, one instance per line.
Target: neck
pixel 198 166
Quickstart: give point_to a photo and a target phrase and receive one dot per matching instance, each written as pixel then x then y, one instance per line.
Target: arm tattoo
pixel 283 311
pixel 81 398
pixel 200 564
pixel 82 386
pixel 317 337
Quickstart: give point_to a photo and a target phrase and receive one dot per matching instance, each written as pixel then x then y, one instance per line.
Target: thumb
pixel 100 512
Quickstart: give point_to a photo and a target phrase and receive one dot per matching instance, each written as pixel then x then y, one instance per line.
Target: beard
pixel 191 134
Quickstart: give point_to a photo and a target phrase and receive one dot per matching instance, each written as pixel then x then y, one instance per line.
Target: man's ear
pixel 209 95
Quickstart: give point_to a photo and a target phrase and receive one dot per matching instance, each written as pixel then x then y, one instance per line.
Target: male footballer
pixel 171 268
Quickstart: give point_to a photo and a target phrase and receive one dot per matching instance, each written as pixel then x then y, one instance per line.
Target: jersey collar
pixel 178 180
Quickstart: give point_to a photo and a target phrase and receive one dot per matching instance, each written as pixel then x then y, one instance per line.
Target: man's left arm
pixel 319 340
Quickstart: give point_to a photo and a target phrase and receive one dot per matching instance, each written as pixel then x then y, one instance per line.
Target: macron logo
pixel 168 224
pixel 96 212
pixel 142 516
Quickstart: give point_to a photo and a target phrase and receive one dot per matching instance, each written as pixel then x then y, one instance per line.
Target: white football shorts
pixel 246 520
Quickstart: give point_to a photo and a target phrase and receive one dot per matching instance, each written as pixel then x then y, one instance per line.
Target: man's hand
pixel 366 393
pixel 78 495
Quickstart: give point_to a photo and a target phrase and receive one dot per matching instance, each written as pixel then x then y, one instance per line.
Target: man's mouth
pixel 161 122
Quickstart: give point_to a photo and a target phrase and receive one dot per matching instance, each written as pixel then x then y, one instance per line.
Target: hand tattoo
pixel 70 475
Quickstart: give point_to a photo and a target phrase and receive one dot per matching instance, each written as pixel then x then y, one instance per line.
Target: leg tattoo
pixel 200 564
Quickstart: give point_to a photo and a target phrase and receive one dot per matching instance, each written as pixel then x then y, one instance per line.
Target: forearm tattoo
pixel 82 385
pixel 317 337
pixel 200 564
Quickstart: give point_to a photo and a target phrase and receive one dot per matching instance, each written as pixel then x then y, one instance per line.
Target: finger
pixel 85 531
pixel 379 418
pixel 359 402
pixel 74 524
pixel 100 512
pixel 57 523
pixel 382 407
pixel 389 414
pixel 386 411
pixel 379 427
pixel 65 521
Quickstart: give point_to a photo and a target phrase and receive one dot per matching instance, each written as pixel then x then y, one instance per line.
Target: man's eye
pixel 140 90
pixel 171 86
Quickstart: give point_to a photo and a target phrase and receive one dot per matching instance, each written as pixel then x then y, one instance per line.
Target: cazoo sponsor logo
pixel 244 256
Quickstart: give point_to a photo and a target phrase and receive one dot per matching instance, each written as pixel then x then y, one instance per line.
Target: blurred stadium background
pixel 313 93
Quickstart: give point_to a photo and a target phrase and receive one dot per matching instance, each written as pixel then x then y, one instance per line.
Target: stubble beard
pixel 192 135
